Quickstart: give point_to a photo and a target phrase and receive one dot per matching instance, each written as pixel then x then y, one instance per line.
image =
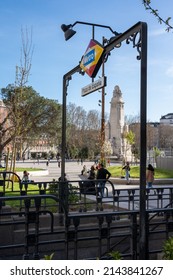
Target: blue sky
pixel 53 56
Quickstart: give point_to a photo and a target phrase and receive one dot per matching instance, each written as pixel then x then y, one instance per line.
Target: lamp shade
pixel 69 33
pixel 65 27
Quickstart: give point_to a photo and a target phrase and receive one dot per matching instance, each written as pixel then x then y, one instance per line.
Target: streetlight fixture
pixel 69 32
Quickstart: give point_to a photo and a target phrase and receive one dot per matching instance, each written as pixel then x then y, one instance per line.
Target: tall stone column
pixel 116 122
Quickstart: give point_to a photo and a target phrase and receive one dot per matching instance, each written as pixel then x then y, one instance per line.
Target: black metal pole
pixel 66 79
pixel 143 144
pixel 63 141
pixel 102 153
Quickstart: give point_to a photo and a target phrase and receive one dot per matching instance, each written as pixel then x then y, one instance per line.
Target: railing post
pixel 134 236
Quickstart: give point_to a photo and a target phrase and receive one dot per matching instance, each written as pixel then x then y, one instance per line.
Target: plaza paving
pixel 73 171
pixel 52 171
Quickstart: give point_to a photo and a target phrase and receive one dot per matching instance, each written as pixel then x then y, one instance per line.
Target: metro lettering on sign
pixel 92 59
pixel 89 57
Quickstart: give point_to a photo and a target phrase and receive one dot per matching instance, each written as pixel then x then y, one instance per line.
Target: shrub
pixel 115 255
pixel 72 193
pixel 168 249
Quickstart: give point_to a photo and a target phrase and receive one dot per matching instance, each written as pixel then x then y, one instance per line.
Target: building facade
pixel 167 119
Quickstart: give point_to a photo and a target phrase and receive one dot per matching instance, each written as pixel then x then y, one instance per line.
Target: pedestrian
pixel 92 174
pixel 84 170
pixel 103 175
pixel 89 186
pixel 25 178
pixel 65 178
pixel 127 172
pixel 150 176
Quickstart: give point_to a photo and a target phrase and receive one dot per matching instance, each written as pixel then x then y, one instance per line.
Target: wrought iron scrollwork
pixel 136 40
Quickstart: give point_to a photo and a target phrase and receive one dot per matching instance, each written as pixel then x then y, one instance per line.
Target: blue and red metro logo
pixel 92 59
pixel 89 57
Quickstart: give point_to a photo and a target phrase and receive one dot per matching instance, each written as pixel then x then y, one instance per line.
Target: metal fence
pixel 72 220
pixel 84 195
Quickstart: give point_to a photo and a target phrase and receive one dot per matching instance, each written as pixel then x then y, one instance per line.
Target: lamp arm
pixel 95 24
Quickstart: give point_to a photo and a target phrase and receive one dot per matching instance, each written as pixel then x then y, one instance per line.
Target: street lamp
pixel 68 33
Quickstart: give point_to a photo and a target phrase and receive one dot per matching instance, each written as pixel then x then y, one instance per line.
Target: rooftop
pixel 168 116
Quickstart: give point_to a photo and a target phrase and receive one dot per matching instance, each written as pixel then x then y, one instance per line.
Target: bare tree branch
pixel 155 12
pixel 23 71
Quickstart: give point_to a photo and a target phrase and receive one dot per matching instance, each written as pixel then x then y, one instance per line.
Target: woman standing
pixel 150 176
pixel 127 172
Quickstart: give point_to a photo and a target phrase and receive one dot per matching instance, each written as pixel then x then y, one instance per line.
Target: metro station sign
pixel 96 85
pixel 92 59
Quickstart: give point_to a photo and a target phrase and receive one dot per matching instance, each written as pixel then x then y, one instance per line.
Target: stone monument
pixel 116 127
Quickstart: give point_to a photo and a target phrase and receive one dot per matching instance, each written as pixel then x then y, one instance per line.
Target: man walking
pixel 102 174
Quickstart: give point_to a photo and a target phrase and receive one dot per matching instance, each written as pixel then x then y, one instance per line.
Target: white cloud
pixel 169 71
pixel 157 32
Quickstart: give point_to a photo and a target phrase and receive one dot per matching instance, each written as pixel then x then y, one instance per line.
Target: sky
pixel 53 56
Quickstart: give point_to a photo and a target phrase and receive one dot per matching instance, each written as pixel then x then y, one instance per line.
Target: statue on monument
pixel 117 92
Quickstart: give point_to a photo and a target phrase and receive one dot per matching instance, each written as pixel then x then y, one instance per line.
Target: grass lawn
pixel 32 190
pixel 21 169
pixel 116 171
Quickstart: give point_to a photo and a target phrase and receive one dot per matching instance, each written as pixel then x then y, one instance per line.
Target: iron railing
pixel 90 227
pixel 33 232
pixel 84 196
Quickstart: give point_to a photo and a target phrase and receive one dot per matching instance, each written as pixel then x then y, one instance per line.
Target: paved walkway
pixel 72 169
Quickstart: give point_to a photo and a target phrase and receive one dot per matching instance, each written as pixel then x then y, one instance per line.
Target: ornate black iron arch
pixel 137 35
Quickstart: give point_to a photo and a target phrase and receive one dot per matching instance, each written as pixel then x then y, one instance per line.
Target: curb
pixel 120 181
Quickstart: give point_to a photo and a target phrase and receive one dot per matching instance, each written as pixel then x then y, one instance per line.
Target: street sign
pixel 94 86
pixel 92 59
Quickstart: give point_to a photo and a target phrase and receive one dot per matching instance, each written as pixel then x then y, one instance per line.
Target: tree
pixel 134 126
pixel 23 71
pixel 156 152
pixel 29 116
pixel 129 137
pixel 165 136
pixel 155 12
pixel 83 130
pixel 107 148
pixel 10 123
